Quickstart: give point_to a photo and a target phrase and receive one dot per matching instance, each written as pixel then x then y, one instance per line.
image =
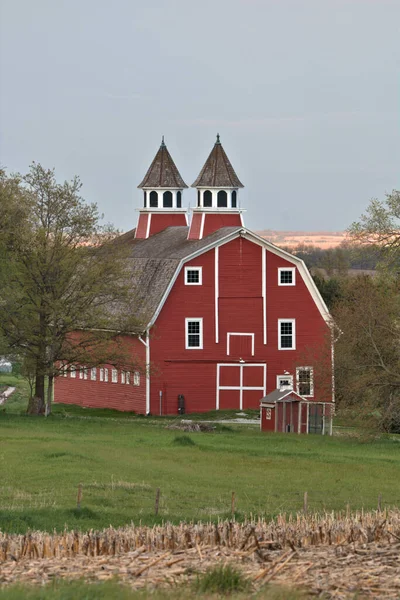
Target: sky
pixel 304 93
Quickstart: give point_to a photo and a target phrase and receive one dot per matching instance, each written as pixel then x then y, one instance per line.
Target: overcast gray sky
pixel 305 95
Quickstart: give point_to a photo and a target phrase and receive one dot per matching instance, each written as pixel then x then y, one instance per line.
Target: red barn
pixel 229 316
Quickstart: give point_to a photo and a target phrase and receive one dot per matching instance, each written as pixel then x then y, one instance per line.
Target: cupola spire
pixel 217 195
pixel 162 195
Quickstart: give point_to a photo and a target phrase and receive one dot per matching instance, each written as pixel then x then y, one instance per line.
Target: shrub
pixel 221 580
pixel 183 440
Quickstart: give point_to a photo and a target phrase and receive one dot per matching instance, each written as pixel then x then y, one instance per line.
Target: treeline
pixel 340 259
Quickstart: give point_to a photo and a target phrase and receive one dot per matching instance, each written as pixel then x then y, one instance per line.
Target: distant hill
pixel 320 239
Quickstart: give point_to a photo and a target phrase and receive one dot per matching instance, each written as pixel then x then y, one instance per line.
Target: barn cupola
pixel 162 196
pixel 217 195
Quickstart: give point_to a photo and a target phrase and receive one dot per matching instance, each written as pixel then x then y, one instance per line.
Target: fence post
pixel 305 503
pixel 79 498
pixel 157 501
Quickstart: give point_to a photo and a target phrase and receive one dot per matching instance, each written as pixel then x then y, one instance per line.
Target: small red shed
pixel 285 411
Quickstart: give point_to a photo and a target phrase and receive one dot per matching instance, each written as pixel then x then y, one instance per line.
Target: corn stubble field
pixel 90 479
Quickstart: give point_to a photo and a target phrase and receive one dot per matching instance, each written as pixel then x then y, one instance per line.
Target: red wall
pixel 101 394
pixel 193 372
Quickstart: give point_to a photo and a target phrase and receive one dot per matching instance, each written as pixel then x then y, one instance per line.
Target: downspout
pixel 146 343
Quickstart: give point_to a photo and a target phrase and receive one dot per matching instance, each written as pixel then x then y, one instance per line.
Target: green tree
pixel 379 228
pixel 64 284
pixel 367 354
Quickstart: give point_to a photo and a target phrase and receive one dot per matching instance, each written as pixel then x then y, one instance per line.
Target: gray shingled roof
pixel 278 395
pixel 217 170
pixel 162 172
pixel 154 262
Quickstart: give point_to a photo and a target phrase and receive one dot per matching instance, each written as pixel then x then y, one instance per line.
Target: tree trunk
pixel 49 395
pixel 36 405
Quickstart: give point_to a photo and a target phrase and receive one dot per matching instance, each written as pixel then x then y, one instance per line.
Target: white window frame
pixel 101 374
pixel 199 271
pixel 105 375
pixel 114 375
pixel 136 378
pixel 122 376
pixel 85 372
pixel 311 369
pixel 73 372
pixel 279 377
pixel 127 377
pixel 193 320
pixel 293 322
pixel 81 373
pixel 293 271
pixel 93 374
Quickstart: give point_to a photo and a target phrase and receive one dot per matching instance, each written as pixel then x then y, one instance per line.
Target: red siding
pixel 216 221
pixel 193 372
pixel 141 228
pixel 160 221
pixel 195 227
pixel 101 394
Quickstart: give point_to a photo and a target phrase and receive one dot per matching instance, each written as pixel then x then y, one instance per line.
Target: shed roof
pixel 162 172
pixel 279 395
pixel 218 171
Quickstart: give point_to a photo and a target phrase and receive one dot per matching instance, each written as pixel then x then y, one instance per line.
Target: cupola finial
pixel 218 142
pixel 162 142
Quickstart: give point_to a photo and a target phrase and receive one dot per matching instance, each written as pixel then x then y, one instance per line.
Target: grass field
pixel 121 460
pixel 113 591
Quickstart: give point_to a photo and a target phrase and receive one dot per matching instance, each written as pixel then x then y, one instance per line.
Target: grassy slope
pixel 122 459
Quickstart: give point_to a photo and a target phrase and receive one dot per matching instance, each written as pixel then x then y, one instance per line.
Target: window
pixel 73 372
pixel 81 373
pixel 284 382
pixel 85 372
pixel 153 199
pixel 305 381
pixel 234 201
pixel 179 199
pixel 222 199
pixel 207 199
pixel 287 276
pixel 127 378
pixel 64 369
pixel 101 374
pixel 268 414
pixel 198 197
pixel 122 376
pixel 286 334
pixel 114 376
pixel 93 374
pixel 193 275
pixel 145 199
pixel 105 375
pixel 194 333
pixel 167 199
pixel 136 378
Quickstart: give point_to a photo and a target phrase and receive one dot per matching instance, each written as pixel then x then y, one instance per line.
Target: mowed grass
pixel 121 460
